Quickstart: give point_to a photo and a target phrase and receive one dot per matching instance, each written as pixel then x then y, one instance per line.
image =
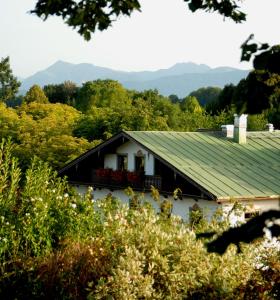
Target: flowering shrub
pixel 55 243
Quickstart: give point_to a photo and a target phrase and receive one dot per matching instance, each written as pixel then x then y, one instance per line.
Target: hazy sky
pixel 165 33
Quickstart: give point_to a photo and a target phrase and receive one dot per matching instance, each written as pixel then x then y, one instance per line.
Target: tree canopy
pixel 8 82
pixel 206 95
pixel 65 92
pixel 35 94
pixel 191 104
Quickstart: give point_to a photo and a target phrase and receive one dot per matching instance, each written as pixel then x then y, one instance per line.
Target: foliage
pixel 45 130
pixel 224 100
pixel 257 122
pixel 9 122
pixel 266 57
pixel 90 15
pixel 65 92
pixel 254 94
pixel 268 60
pixel 190 104
pixel 247 232
pixel 87 15
pixel 206 95
pixel 102 93
pixel 58 244
pixel 8 83
pixel 226 8
pixel 35 94
pixel 257 95
pixel 174 98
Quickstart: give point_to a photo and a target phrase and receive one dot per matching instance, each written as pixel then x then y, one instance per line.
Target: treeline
pixel 60 121
pixel 259 93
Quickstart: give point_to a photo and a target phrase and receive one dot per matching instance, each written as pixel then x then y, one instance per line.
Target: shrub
pixel 57 244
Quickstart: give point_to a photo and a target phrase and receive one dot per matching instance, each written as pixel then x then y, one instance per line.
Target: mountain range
pixel 180 79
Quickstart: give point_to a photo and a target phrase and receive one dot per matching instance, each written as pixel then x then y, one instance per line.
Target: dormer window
pixel 122 162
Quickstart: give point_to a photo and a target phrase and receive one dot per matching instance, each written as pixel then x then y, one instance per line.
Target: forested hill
pixel 180 79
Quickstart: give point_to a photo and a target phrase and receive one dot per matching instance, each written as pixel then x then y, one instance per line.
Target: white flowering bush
pixel 37 209
pixel 160 258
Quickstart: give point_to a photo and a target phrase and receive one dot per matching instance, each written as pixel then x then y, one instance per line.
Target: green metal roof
pixel 219 165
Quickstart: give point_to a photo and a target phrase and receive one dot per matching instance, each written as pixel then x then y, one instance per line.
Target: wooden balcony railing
pixel 118 178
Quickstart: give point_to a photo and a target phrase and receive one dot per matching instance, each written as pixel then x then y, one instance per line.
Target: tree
pixel 191 104
pixel 206 95
pixel 8 83
pixel 256 91
pixel 103 93
pixel 174 98
pixel 224 101
pixel 35 94
pixel 65 92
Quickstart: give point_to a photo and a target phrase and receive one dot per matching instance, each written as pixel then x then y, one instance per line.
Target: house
pixel 211 169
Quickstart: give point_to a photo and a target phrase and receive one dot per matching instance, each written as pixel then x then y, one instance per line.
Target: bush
pixel 56 244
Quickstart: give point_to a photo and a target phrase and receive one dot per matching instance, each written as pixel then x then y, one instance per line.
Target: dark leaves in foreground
pixel 246 233
pixel 226 8
pixel 86 15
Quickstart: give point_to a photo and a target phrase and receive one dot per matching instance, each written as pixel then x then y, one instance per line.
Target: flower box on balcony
pixel 133 177
pixel 118 176
pixel 103 175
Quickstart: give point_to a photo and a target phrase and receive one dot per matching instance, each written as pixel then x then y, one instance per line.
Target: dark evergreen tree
pixel 9 84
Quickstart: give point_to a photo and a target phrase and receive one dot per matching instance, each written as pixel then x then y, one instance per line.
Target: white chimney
pixel 227 130
pixel 269 127
pixel 240 129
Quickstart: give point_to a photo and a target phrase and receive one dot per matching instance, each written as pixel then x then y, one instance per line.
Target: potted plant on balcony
pixel 118 176
pixel 103 175
pixel 134 178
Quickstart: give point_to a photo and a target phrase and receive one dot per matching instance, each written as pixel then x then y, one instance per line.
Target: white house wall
pixel 110 161
pixel 180 207
pixel 131 149
pixel 251 206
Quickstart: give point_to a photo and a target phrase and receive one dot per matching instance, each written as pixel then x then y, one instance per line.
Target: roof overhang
pixel 247 199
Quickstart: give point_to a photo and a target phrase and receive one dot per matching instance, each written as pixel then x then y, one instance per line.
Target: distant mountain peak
pixel 190 67
pixel 59 64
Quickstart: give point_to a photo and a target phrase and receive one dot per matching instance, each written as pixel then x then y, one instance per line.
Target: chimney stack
pixel 240 129
pixel 270 127
pixel 227 130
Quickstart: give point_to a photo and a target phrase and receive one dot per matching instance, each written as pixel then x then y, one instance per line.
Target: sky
pixel 163 34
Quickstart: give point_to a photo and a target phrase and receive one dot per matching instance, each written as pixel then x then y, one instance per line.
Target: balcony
pixel 121 179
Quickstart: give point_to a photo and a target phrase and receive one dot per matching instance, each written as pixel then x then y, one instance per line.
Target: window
pixel 122 162
pixel 139 163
